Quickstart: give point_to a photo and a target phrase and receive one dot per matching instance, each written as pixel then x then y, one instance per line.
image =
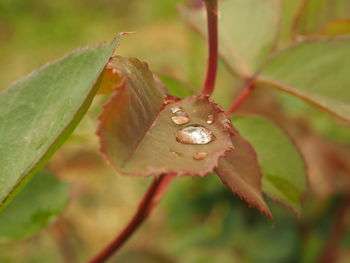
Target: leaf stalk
pixel 249 87
pixel 212 64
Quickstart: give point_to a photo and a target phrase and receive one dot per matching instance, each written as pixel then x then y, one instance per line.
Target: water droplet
pixel 180 120
pixel 180 117
pixel 175 153
pixel 194 134
pixel 210 119
pixel 200 155
pixel 176 109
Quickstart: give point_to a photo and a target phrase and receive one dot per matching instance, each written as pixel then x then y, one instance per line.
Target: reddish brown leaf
pixel 240 171
pixel 139 137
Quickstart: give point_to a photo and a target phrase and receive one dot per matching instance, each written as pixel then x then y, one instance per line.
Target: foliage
pixel 154 123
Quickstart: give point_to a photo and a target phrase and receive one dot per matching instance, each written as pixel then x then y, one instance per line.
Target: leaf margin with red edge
pixel 248 190
pixel 114 105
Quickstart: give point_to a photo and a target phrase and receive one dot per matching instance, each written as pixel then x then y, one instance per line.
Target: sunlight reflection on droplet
pixel 194 134
pixel 180 120
pixel 179 116
pixel 176 109
pixel 210 119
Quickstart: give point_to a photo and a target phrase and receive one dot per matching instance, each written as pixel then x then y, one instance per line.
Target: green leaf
pixel 176 87
pixel 339 27
pixel 38 112
pixel 289 10
pixel 247 31
pixel 316 71
pixel 139 137
pixel 240 171
pixel 284 177
pixel 34 208
pixel 316 14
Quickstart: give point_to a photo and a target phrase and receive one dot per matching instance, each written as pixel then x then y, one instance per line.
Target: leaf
pixel 339 27
pixel 284 177
pixel 34 208
pixel 138 136
pixel 289 10
pixel 240 171
pixel 38 113
pixel 247 31
pixel 316 71
pixel 107 81
pixel 315 14
pixel 176 87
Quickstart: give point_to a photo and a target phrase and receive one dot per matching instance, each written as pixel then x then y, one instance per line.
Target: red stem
pixel 148 202
pixel 212 23
pixel 250 86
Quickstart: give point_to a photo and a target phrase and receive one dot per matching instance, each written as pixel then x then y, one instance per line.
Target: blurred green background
pixel 199 219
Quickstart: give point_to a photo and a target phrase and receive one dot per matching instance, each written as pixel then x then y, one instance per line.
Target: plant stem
pixel 146 205
pixel 249 87
pixel 212 24
pixel 338 229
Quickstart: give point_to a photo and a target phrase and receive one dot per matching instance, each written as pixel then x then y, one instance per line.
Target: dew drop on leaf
pixel 180 120
pixel 210 119
pixel 200 155
pixel 175 153
pixel 176 109
pixel 179 116
pixel 194 134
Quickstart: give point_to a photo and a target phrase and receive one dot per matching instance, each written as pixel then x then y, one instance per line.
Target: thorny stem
pixel 249 87
pixel 146 205
pixel 212 23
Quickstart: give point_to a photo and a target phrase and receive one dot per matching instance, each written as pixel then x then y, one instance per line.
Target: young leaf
pixel 240 171
pixel 38 112
pixel 284 177
pixel 316 71
pixel 139 135
pixel 34 208
pixel 247 31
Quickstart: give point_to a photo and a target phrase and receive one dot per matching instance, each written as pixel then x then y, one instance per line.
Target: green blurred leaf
pixel 284 177
pixel 247 31
pixel 316 71
pixel 339 27
pixel 144 256
pixel 289 10
pixel 176 87
pixel 38 112
pixel 34 208
pixel 315 14
pixel 138 136
pixel 212 218
pixel 320 121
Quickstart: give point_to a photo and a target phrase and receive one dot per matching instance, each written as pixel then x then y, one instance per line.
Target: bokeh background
pixel 199 220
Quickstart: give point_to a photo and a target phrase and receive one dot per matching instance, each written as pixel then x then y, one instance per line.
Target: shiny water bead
pixel 180 120
pixel 200 155
pixel 194 134
pixel 210 119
